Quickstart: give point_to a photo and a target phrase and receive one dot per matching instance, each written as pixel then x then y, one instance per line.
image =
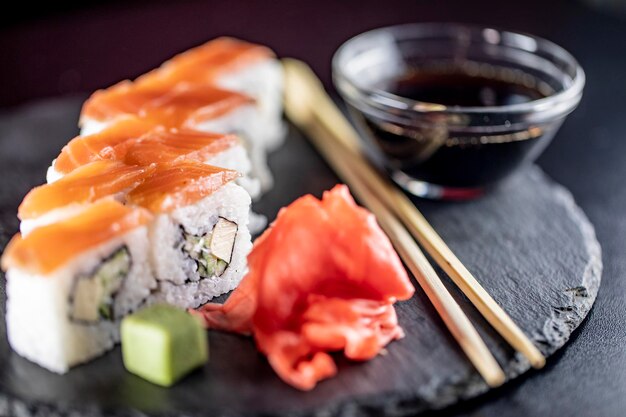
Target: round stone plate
pixel 527 242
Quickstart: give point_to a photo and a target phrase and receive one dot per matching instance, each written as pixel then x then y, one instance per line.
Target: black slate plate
pixel 528 243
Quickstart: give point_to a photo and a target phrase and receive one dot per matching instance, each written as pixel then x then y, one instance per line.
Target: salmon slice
pixel 180 106
pixel 84 149
pixel 123 98
pixel 322 278
pixel 179 184
pixel 204 63
pixel 86 184
pixel 49 247
pixel 167 145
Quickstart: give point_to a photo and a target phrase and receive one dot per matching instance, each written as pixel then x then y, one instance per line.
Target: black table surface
pixel 89 48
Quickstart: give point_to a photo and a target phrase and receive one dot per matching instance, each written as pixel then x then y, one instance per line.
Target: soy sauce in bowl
pixel 450 110
pixel 453 157
pixel 467 85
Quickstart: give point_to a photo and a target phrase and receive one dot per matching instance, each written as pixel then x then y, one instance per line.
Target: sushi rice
pixel 175 236
pixel 264 82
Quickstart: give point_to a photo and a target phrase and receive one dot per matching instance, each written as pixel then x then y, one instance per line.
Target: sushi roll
pixel 67 196
pixel 234 65
pixel 70 282
pixel 186 106
pixel 199 237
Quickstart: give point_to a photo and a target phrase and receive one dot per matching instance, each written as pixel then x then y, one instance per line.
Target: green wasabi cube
pixel 162 344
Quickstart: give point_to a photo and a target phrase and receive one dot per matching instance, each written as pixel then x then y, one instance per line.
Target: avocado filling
pixel 93 295
pixel 212 251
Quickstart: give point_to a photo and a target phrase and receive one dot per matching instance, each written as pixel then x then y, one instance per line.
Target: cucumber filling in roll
pixel 92 297
pixel 212 252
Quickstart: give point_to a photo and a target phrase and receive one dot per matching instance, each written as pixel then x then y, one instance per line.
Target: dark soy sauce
pixel 455 87
pixel 450 156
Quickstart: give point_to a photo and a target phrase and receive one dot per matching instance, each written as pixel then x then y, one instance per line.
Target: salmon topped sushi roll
pixel 150 203
pixel 199 237
pixel 89 183
pixel 70 282
pixel 234 65
pixel 202 108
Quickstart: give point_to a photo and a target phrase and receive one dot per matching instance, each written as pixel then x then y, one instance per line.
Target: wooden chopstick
pixel 311 93
pixel 450 312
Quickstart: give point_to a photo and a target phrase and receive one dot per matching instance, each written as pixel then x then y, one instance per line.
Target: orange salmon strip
pixel 176 144
pixel 180 106
pixel 49 247
pixel 204 63
pixel 86 184
pixel 179 184
pixel 84 149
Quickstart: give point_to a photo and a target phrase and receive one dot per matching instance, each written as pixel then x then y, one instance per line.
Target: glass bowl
pixel 451 151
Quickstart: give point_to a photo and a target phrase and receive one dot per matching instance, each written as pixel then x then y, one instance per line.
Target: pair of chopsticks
pixel 313 111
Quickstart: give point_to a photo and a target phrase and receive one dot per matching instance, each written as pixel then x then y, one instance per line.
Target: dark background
pixel 64 48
